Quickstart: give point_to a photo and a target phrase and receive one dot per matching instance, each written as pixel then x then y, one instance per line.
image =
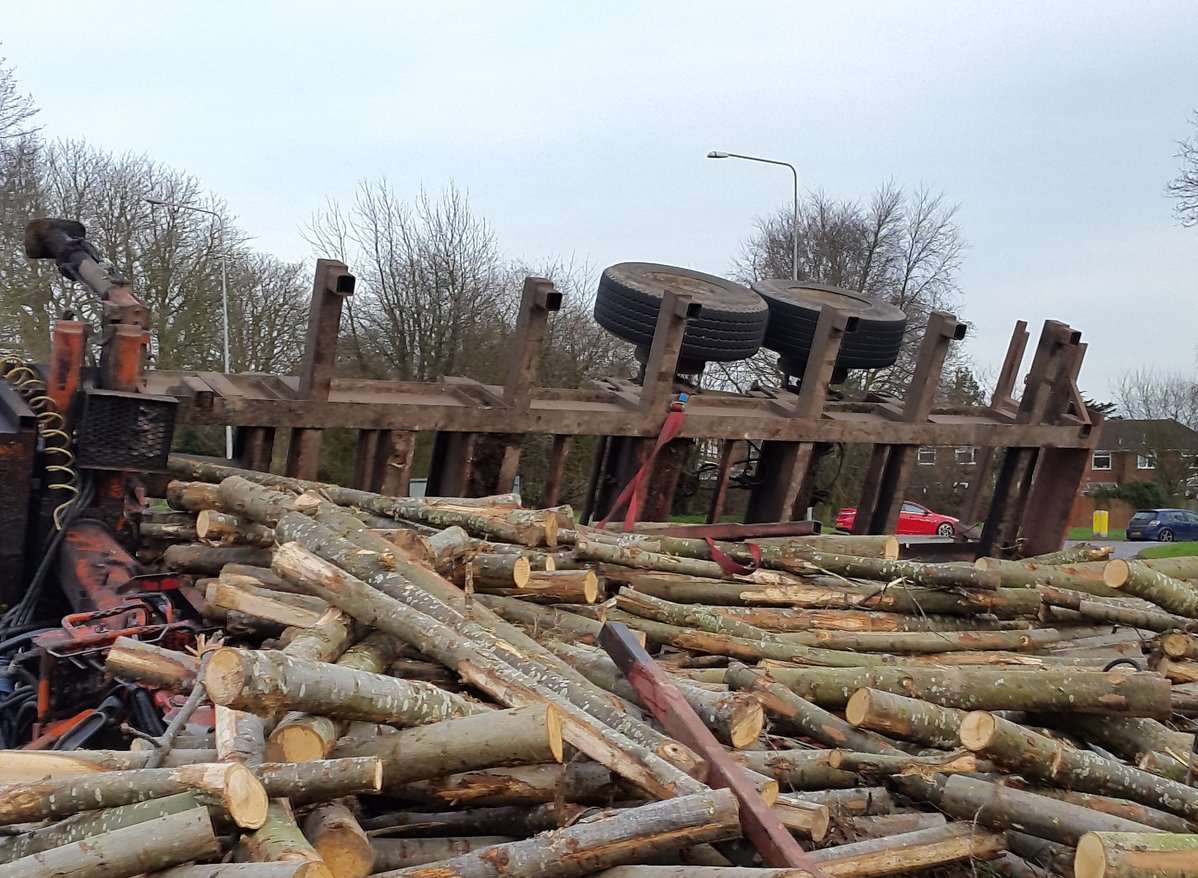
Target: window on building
pixel 926 456
pixel 1146 461
pixel 1102 460
pixel 967 456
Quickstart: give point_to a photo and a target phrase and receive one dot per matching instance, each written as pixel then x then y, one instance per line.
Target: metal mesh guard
pixel 125 431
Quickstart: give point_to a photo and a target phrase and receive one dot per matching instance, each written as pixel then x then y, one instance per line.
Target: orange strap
pixel 669 430
pixel 730 566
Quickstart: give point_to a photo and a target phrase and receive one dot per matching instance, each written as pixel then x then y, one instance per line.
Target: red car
pixel 913 519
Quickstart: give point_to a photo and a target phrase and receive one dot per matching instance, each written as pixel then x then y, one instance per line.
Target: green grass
pixel 1170 550
pixel 1085 533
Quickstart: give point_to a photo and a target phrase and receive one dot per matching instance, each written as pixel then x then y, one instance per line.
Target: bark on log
pixel 24 766
pixel 558 586
pixel 809 819
pixel 1117 692
pixel 168 532
pixel 1136 855
pixel 280 840
pixel 231 786
pixel 1178 671
pixel 516 820
pixel 858 802
pixel 801 717
pixel 1167 765
pixel 202 558
pixel 270 681
pixel 497 571
pixel 134 661
pixel 134 850
pixel 882 825
pixel 605 744
pixel 1072 555
pixel 588 847
pixel 782 620
pixel 257 504
pixel 581 782
pixel 631 556
pixel 401 853
pixel 1037 756
pixel 1050 856
pixel 262 577
pixel 1134 811
pixel 240 870
pixel 304 612
pixel 1129 737
pixel 228 530
pixel 566 626
pixel 1002 807
pixel 335 834
pixel 305 783
pixel 895 854
pixel 192 496
pixel 1132 577
pixel 1021 574
pixel 323 642
pixel 240 736
pixel 798 769
pixel 1097 611
pixel 875 767
pixel 521 736
pixel 908 718
pixel 302 737
pixel 428 594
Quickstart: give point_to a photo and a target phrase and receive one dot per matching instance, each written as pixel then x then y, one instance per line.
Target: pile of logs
pixel 416 688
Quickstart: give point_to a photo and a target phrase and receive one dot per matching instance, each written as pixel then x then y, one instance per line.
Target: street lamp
pixel 794 229
pixel 224 287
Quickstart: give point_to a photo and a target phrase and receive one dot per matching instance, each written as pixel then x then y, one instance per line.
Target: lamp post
pixel 224 288
pixel 794 226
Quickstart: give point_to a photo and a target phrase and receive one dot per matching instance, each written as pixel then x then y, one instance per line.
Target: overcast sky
pixel 580 128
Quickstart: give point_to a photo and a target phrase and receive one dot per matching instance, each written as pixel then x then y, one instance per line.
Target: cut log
pixel 499 571
pixel 859 802
pixel 631 556
pixel 270 681
pixel 303 611
pixel 1001 807
pixel 202 558
pixel 1118 692
pixel 280 840
pixel 228 530
pixel 558 586
pixel 401 853
pixel 255 503
pixel 168 532
pixel 1136 855
pixel 231 786
pixel 1098 611
pixel 334 833
pixel 882 825
pixel 260 577
pixel 1072 555
pixel 605 744
pixel 306 783
pixel 323 642
pixel 1022 574
pixel 895 854
pixel 1130 737
pixel 144 847
pixel 1037 756
pixel 301 737
pixel 879 766
pixel 1180 646
pixel 192 496
pixel 242 870
pixel 628 836
pixel 784 620
pixel 517 820
pixel 1048 855
pixel 134 661
pixel 908 718
pixel 580 782
pixel 1175 595
pixel 1178 671
pixel 809 819
pixel 24 766
pixel 798 769
pixel 1134 811
pixel 240 736
pixel 521 736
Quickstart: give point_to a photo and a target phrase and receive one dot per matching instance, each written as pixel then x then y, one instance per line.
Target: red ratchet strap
pixel 730 566
pixel 669 430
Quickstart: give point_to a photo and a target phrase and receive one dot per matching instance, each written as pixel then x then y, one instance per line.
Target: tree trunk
pixel 908 718
pixel 139 662
pixel 280 840
pixel 202 558
pixel 1134 811
pixel 302 612
pixel 1175 595
pixel 558 587
pixel 628 836
pixel 1021 574
pixel 798 769
pixel 895 854
pixel 231 787
pixel 1136 855
pixel 145 847
pixel 228 530
pixel 402 853
pixel 305 783
pixel 1097 611
pixel 644 767
pixel 302 737
pixel 1003 807
pixel 192 496
pixel 1037 756
pixel 489 571
pixel 253 502
pixel 520 821
pixel 521 736
pixel 1118 692
pixel 335 834
pixel 269 681
pixel 581 782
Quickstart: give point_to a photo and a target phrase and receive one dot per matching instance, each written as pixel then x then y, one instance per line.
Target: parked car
pixel 913 519
pixel 1165 525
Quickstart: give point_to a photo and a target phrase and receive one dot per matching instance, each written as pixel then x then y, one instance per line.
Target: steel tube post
pixel 794 220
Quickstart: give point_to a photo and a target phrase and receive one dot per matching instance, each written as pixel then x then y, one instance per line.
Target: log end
pixel 1116 573
pixel 521 571
pixel 890 548
pixel 590 587
pixel 553 729
pixel 978 730
pixel 295 743
pixel 1090 860
pixel 244 797
pixel 550 563
pixel 857 707
pixel 551 531
pixel 770 790
pixel 748 720
pixel 1175 645
pixel 225 676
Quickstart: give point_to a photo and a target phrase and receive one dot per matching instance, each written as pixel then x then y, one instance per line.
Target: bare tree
pixel 1183 188
pixel 17 108
pixel 1149 394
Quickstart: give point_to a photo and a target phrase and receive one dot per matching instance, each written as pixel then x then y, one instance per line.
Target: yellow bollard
pixel 1102 523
